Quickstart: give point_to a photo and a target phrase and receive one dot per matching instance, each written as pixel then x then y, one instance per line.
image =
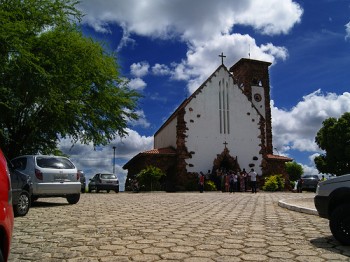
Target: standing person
pixel 201 182
pixel 231 182
pixel 252 174
pixel 243 180
pixel 227 181
pixel 245 174
pixel 299 185
pixel 235 181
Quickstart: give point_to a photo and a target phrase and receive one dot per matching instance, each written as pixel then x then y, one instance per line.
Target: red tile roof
pixel 160 151
pixel 281 158
pixel 154 152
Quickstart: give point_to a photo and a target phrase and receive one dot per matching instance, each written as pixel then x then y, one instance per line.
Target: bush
pixel 209 186
pixel 292 184
pixel 274 183
pixel 150 177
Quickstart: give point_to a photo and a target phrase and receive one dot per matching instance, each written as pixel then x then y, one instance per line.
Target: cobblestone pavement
pixel 173 227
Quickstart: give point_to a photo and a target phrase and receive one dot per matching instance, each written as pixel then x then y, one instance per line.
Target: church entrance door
pixel 223 163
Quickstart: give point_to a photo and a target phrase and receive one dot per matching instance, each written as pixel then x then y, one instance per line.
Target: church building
pixel 224 125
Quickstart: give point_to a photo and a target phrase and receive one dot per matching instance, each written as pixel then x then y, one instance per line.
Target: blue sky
pixel 166 49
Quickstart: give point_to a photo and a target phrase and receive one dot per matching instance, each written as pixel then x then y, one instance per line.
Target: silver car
pixel 106 182
pixel 52 176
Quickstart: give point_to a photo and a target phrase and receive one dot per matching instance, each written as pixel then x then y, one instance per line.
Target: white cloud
pixel 347 31
pixel 196 19
pixel 101 160
pixel 271 17
pixel 139 69
pixel 126 39
pixel 207 27
pixel 195 68
pixel 310 170
pixel 296 129
pixel 275 51
pixel 142 121
pixel 161 69
pixel 137 84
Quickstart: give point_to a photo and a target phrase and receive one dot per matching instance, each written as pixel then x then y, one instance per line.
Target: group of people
pixel 234 181
pixel 240 181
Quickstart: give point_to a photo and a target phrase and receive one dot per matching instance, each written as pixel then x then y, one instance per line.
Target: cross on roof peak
pixel 222 57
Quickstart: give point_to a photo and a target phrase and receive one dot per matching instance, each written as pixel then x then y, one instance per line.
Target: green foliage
pixel 274 183
pixel 334 139
pixel 270 184
pixel 294 170
pixel 209 186
pixel 292 184
pixel 54 82
pixel 150 178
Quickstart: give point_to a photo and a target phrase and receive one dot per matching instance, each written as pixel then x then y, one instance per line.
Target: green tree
pixel 334 139
pixel 150 178
pixel 54 82
pixel 294 170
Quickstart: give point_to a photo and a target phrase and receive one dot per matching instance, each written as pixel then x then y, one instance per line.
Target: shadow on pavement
pixel 39 204
pixel 329 243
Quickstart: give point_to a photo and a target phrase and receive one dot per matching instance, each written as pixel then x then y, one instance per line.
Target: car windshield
pixel 310 177
pixel 108 176
pixel 54 162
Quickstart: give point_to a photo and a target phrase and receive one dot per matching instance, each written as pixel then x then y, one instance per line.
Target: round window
pixel 257 97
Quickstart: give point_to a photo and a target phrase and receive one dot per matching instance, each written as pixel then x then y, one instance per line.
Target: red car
pixel 6 211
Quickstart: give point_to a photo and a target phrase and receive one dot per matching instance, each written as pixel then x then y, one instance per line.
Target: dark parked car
pixel 21 192
pixel 309 182
pixel 106 182
pixel 82 180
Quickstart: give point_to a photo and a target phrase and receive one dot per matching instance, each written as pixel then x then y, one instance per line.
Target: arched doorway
pixel 223 162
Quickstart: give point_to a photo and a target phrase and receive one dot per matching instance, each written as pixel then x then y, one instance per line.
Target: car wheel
pixel 97 190
pixel 73 199
pixel 22 207
pixel 117 190
pixel 339 223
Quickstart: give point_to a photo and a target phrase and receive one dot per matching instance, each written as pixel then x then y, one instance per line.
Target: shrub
pixel 274 183
pixel 292 183
pixel 209 186
pixel 150 178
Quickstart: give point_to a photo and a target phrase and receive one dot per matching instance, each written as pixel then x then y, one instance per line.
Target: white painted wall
pixel 203 132
pixel 167 136
pixel 260 106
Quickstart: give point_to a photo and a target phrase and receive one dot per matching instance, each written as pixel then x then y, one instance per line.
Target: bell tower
pixel 252 76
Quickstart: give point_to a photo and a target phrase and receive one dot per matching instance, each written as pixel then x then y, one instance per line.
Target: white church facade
pixel 224 124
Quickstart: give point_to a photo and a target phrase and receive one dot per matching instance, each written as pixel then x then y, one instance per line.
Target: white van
pixel 52 176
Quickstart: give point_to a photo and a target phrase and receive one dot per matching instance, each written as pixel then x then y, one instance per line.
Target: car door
pixel 16 185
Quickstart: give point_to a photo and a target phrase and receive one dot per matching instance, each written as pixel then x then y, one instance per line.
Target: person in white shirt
pixel 252 174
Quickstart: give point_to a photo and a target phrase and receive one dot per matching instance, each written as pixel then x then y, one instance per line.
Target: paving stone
pixel 185 227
